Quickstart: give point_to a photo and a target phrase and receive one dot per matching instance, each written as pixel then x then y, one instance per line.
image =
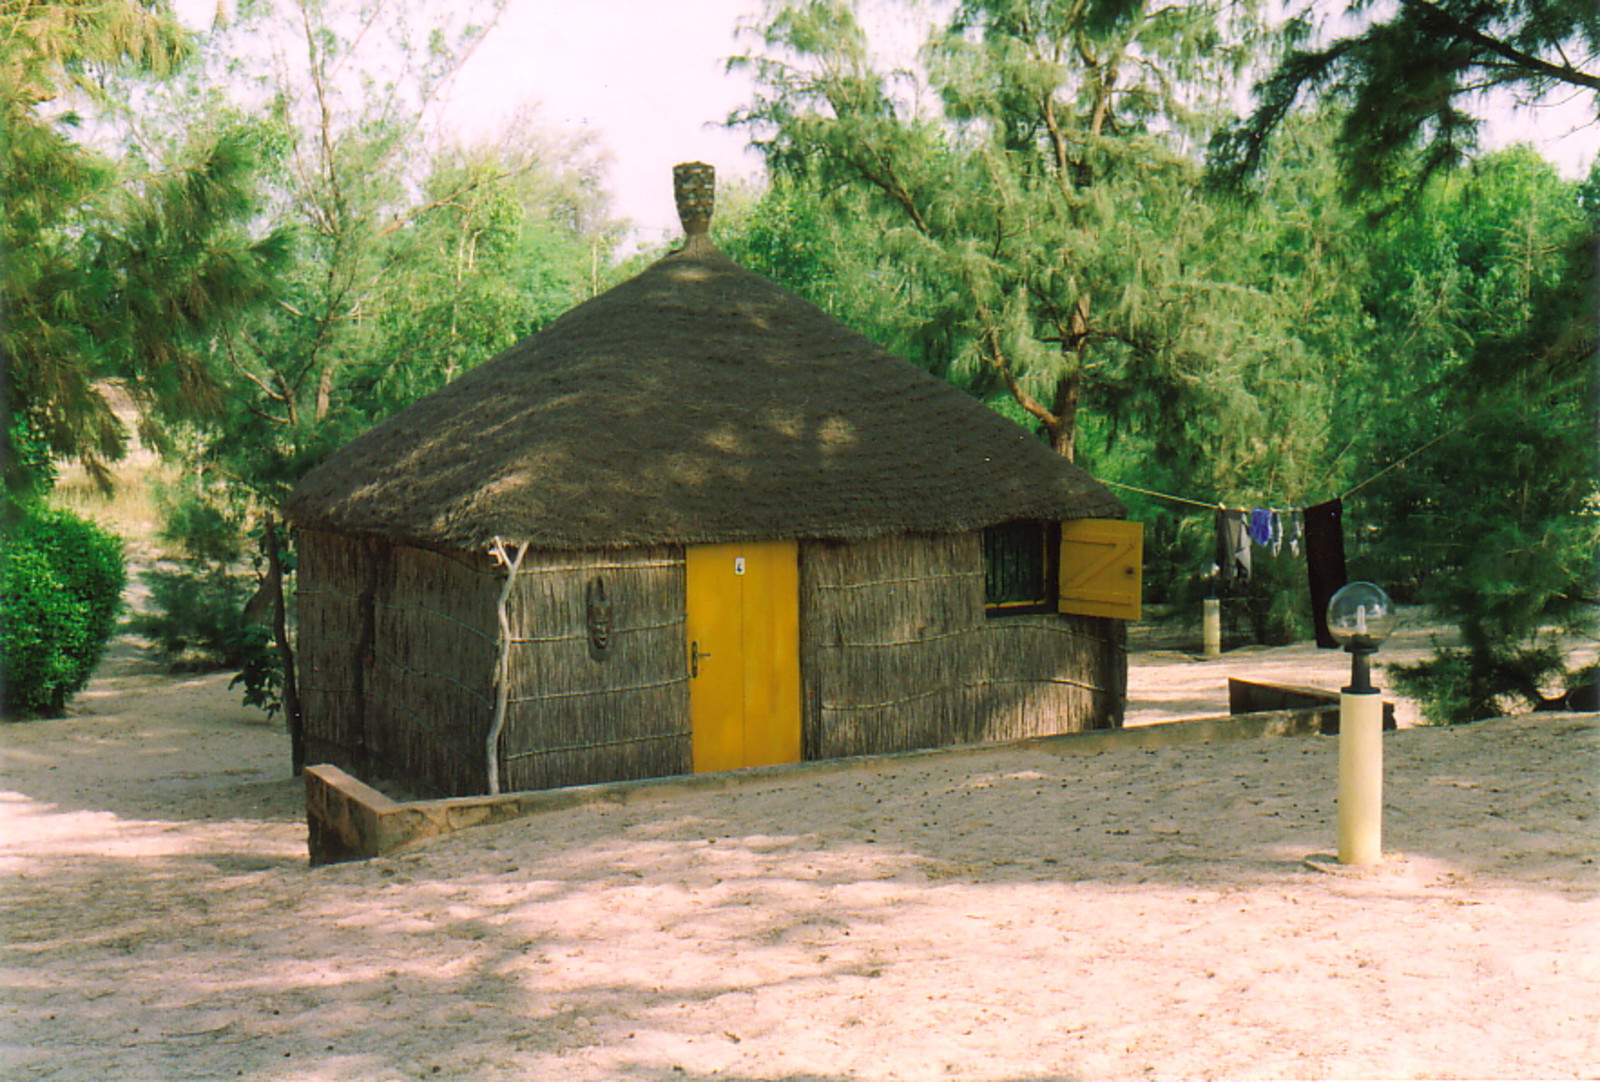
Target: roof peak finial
pixel 694 185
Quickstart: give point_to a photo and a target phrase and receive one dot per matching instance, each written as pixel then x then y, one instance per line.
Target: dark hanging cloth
pixel 1233 546
pixel 1324 537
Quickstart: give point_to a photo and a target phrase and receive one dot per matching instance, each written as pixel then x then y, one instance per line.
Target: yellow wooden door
pixel 744 654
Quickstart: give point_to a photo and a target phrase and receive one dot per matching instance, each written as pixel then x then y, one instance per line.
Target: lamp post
pixel 1360 618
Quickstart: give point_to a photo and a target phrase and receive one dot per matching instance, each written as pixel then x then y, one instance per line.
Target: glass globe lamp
pixel 1360 618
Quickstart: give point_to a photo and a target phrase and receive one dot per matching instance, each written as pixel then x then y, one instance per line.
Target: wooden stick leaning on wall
pixel 502 670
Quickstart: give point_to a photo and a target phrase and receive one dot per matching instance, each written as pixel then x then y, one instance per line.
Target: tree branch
pixel 1526 61
pixel 995 357
pixel 238 365
pixel 447 200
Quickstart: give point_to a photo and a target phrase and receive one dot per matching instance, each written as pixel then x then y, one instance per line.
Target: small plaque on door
pixel 738 565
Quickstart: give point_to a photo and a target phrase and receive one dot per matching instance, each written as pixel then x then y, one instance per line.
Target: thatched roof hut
pixel 499 584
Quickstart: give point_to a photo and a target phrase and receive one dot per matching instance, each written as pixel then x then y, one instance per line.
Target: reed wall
pixel 431 690
pixel 598 687
pixel 398 651
pixel 898 653
pixel 401 659
pixel 332 606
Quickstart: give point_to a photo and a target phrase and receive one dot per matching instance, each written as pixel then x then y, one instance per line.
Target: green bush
pixel 206 612
pixel 198 617
pixel 61 581
pixel 206 525
pixel 1483 681
pixel 202 618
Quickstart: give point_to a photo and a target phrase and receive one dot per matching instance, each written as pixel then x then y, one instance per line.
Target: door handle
pixel 694 658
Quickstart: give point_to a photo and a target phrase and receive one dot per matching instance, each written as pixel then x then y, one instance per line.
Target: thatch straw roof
pixel 697 402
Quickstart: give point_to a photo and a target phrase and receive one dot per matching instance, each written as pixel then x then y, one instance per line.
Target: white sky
pixel 648 78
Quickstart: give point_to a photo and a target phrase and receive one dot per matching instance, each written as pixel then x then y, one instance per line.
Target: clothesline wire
pixel 1185 499
pixel 1396 464
pixel 1159 495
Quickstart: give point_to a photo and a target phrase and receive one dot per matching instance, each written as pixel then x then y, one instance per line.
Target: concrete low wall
pixel 350 820
pixel 1252 696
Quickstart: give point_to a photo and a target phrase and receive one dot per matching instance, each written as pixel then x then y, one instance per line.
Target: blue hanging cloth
pixel 1261 527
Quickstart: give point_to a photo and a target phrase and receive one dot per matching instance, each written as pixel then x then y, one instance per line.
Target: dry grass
pixel 132 510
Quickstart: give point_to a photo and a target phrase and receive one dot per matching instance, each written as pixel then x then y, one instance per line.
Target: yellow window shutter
pixel 1102 562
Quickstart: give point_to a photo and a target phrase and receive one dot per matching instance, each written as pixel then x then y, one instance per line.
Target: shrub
pixel 206 525
pixel 206 611
pixel 1482 680
pixel 61 581
pixel 198 617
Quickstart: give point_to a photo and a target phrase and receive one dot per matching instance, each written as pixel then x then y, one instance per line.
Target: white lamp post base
pixel 1360 818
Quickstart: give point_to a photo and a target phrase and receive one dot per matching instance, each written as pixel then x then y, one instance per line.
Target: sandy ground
pixel 988 915
pixel 1166 683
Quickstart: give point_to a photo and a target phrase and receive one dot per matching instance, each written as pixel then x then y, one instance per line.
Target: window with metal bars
pixel 1019 571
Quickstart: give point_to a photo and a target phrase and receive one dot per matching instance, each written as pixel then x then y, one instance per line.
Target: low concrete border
pixel 350 820
pixel 1252 696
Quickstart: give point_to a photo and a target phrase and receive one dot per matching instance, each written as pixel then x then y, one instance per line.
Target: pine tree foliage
pixel 1411 81
pixel 1474 399
pixel 112 272
pixel 264 232
pixel 1486 306
pixel 414 257
pixel 1273 352
pixel 1032 199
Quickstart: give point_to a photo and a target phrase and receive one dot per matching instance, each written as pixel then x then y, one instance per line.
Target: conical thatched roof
pixel 697 402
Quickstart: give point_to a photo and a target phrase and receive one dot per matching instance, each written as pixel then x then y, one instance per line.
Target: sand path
pixel 988 915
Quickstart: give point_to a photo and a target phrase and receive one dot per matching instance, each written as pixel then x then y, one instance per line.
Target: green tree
pixel 1474 404
pixel 1033 227
pixel 1411 77
pixel 510 235
pixel 1485 339
pixel 1039 201
pixel 416 258
pixel 118 267
pixel 114 269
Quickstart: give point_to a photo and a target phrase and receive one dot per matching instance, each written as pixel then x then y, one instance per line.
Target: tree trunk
pixel 1069 387
pixel 324 394
pixel 1064 432
pixel 280 634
